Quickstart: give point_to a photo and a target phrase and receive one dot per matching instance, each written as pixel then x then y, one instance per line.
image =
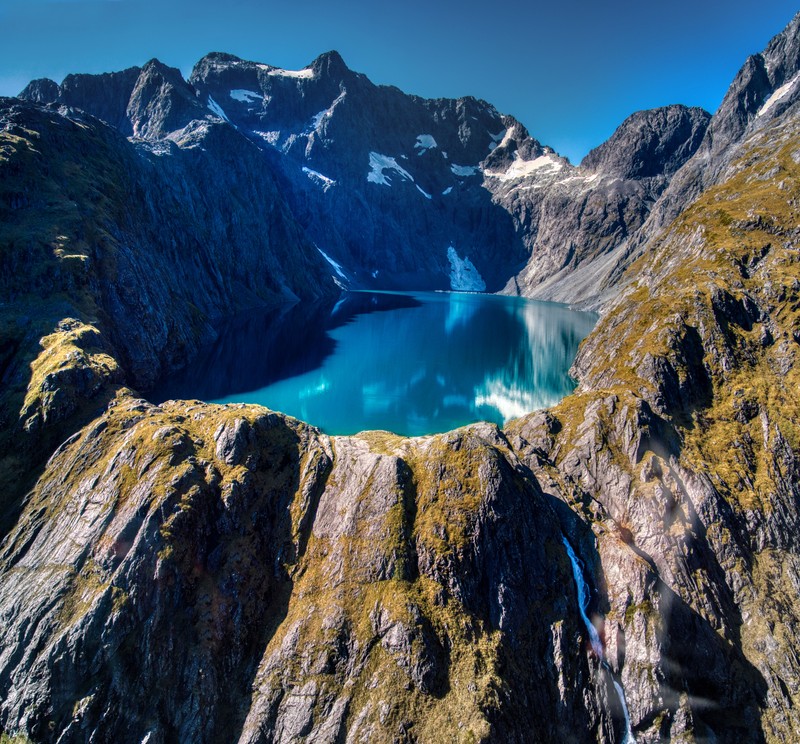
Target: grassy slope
pixel 682 440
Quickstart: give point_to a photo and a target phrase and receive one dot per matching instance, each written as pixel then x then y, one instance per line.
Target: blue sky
pixel 570 70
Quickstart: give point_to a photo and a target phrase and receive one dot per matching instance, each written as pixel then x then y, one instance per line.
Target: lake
pixel 411 363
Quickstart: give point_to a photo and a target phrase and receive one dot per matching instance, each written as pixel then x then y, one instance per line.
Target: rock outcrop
pixel 765 88
pixel 682 443
pixel 204 572
pixel 650 143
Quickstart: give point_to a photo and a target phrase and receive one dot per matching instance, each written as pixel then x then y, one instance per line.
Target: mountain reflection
pixel 412 363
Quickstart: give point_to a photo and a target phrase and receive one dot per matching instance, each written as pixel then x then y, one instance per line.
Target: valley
pixel 621 564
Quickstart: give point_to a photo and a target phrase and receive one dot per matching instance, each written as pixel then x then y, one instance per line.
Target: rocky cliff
pixel 119 255
pixel 621 566
pixel 767 85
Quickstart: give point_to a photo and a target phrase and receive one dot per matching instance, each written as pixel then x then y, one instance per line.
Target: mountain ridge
pixel 331 126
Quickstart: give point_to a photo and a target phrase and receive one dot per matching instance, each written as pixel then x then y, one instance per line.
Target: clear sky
pixel 570 70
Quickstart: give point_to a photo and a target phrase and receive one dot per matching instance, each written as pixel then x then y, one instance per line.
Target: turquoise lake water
pixel 412 363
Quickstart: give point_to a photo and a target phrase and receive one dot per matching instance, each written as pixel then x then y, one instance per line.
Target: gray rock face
pixel 766 86
pixel 161 102
pixel 42 91
pixel 650 143
pixel 230 573
pixel 575 217
pixel 374 173
pixel 105 96
pixel 146 102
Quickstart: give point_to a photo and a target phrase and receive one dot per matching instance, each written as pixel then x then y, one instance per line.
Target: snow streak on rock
pixel 424 143
pixel 245 96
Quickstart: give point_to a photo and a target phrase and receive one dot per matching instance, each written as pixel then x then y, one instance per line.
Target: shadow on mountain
pixel 254 350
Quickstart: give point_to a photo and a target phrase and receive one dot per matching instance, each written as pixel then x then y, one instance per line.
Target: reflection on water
pixel 412 363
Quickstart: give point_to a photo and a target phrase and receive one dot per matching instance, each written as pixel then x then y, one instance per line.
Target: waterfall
pixel 628 738
pixel 584 596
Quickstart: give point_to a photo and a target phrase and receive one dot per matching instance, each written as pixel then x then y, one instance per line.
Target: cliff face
pixel 140 246
pixel 681 447
pixel 766 87
pixel 197 572
pixel 234 573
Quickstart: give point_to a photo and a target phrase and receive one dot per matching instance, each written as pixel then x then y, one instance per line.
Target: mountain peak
pixel 650 143
pixel 42 90
pixel 221 57
pixel 155 64
pixel 329 63
pixel 156 71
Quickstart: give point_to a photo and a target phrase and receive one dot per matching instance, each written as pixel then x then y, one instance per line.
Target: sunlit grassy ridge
pixel 707 332
pixel 688 400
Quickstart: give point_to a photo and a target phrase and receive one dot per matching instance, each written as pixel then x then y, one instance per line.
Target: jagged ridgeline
pixel 623 566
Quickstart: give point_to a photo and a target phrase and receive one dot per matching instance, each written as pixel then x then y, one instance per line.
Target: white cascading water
pixel 584 595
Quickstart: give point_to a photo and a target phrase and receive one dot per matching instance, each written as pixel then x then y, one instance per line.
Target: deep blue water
pixel 411 363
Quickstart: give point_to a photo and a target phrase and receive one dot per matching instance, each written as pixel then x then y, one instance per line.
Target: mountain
pixel 765 87
pixel 625 561
pixel 372 173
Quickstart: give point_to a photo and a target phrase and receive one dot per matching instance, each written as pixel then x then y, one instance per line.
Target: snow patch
pixel 270 137
pixel 317 119
pixel 464 276
pixel 424 193
pixel 158 148
pixel 521 168
pixel 217 109
pixel 305 74
pixel 379 163
pixel 245 96
pixel 337 266
pixel 464 170
pixel 319 179
pixel 499 137
pixel 424 143
pixel 778 95
pixel 507 135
